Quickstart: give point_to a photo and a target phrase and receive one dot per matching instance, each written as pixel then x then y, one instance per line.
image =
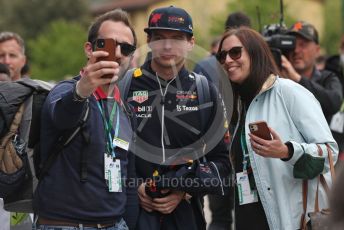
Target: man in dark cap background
pixel 300 66
pixel 168 109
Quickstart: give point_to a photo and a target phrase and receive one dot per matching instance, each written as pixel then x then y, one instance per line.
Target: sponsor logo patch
pixel 144 115
pixel 186 108
pixel 155 19
pixel 176 19
pixel 186 95
pixel 140 96
pixel 147 108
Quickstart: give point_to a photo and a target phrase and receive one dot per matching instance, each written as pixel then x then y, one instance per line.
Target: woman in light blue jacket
pixel 269 173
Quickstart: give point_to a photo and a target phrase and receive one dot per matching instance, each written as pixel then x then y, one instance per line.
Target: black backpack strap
pixel 203 92
pixel 124 84
pixel 62 142
pixel 86 137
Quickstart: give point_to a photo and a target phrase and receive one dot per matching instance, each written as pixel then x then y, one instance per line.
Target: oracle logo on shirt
pixel 186 95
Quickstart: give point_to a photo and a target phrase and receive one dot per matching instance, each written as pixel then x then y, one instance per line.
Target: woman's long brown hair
pixel 262 63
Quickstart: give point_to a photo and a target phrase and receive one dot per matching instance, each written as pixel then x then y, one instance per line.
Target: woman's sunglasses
pixel 234 53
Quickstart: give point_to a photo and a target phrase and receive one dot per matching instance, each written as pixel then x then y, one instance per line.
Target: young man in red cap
pixel 175 128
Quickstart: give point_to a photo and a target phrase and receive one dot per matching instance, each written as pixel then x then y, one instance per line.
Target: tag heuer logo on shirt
pixel 140 96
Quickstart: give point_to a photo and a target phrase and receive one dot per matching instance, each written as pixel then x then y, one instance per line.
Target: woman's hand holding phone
pixel 269 147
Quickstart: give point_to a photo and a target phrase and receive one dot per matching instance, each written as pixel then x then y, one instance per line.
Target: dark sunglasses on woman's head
pixel 234 53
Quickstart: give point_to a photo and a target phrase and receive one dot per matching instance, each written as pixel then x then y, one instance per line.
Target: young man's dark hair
pixel 237 19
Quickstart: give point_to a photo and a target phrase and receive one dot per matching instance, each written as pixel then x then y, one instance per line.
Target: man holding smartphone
pixel 85 187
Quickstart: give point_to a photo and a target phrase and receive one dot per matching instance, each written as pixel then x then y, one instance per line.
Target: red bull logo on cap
pixel 155 19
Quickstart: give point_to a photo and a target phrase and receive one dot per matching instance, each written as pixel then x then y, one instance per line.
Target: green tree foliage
pixel 58 51
pixel 53 30
pixel 332 27
pixel 30 17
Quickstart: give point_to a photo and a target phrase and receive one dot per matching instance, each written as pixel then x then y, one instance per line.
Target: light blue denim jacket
pixel 295 114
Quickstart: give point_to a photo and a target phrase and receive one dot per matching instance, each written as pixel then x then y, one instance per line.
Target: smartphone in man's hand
pixel 260 129
pixel 108 45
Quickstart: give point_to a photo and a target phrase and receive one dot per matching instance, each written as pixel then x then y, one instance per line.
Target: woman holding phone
pixel 269 173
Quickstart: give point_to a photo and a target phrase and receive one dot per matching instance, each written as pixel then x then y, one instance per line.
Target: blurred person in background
pixel 214 46
pixel 4 216
pixel 12 53
pixel 300 66
pixel 209 66
pixel 320 62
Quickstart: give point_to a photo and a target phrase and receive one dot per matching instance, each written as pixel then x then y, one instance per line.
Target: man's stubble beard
pixel 170 65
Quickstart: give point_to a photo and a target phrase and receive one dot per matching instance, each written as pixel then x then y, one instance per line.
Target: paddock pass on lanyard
pixel 112 166
pixel 245 194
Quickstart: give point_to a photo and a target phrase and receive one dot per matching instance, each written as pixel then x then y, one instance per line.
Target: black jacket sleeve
pixel 327 89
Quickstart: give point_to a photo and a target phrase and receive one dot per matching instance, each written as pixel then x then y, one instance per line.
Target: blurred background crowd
pixel 55 30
